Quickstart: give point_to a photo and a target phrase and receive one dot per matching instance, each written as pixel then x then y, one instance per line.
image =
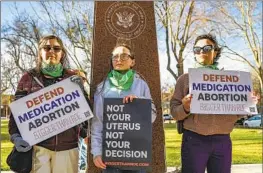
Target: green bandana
pixel 212 66
pixel 54 70
pixel 121 81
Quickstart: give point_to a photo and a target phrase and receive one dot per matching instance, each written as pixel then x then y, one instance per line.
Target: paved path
pixel 247 168
pixel 251 168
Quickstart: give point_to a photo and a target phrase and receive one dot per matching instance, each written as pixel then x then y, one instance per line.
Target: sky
pixel 166 77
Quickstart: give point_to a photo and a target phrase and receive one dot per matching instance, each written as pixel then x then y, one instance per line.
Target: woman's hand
pixel 98 162
pixel 129 97
pixel 86 140
pixel 186 102
pixel 255 97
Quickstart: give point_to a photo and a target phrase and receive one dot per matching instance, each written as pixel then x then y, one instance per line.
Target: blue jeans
pixel 116 170
pixel 82 154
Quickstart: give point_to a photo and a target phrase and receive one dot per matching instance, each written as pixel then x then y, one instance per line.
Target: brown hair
pixel 127 47
pixel 42 43
pixel 120 43
pixel 213 39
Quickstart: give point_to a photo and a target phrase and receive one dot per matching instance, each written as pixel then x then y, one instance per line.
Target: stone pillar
pixel 135 21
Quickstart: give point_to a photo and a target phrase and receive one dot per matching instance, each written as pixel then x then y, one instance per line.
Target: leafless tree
pixel 9 76
pixel 244 22
pixel 181 21
pixel 18 40
pixel 72 21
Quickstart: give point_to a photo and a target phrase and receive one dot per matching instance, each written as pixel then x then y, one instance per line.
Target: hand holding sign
pixel 186 102
pixel 129 97
pixel 98 162
pixel 77 80
pixel 50 111
pixel 20 144
pixel 255 97
pixel 221 92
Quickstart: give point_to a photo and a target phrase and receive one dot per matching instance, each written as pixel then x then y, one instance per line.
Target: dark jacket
pixel 63 141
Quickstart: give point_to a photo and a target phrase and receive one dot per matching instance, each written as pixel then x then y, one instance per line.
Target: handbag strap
pixel 31 72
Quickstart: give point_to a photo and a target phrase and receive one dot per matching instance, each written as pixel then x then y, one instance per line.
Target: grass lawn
pixel 6 145
pixel 247 145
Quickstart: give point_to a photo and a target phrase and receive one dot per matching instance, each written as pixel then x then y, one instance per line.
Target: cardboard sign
pixel 127 134
pixel 50 111
pixel 221 92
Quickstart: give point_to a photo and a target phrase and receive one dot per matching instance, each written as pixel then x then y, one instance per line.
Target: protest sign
pixel 221 92
pixel 50 111
pixel 127 133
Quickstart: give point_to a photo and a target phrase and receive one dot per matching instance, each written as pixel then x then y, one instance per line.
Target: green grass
pixel 247 145
pixel 173 145
pixel 246 149
pixel 6 145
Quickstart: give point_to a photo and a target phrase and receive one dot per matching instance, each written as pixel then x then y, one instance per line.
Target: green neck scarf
pixel 121 81
pixel 212 66
pixel 54 70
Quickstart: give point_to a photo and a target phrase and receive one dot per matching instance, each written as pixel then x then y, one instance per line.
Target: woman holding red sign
pixel 121 82
pixel 60 152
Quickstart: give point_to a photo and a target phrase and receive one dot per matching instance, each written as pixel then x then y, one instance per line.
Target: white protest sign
pixel 221 92
pixel 50 111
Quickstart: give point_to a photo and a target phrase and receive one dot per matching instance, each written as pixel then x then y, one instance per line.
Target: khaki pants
pixel 47 161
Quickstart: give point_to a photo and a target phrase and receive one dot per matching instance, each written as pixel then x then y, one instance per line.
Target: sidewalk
pixel 247 168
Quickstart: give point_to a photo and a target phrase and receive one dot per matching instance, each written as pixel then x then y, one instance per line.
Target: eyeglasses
pixel 123 57
pixel 55 48
pixel 205 49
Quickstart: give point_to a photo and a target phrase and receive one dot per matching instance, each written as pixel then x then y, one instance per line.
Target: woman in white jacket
pixel 121 82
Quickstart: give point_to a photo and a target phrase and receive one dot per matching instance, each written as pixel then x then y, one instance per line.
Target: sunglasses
pixel 122 57
pixel 55 48
pixel 206 49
